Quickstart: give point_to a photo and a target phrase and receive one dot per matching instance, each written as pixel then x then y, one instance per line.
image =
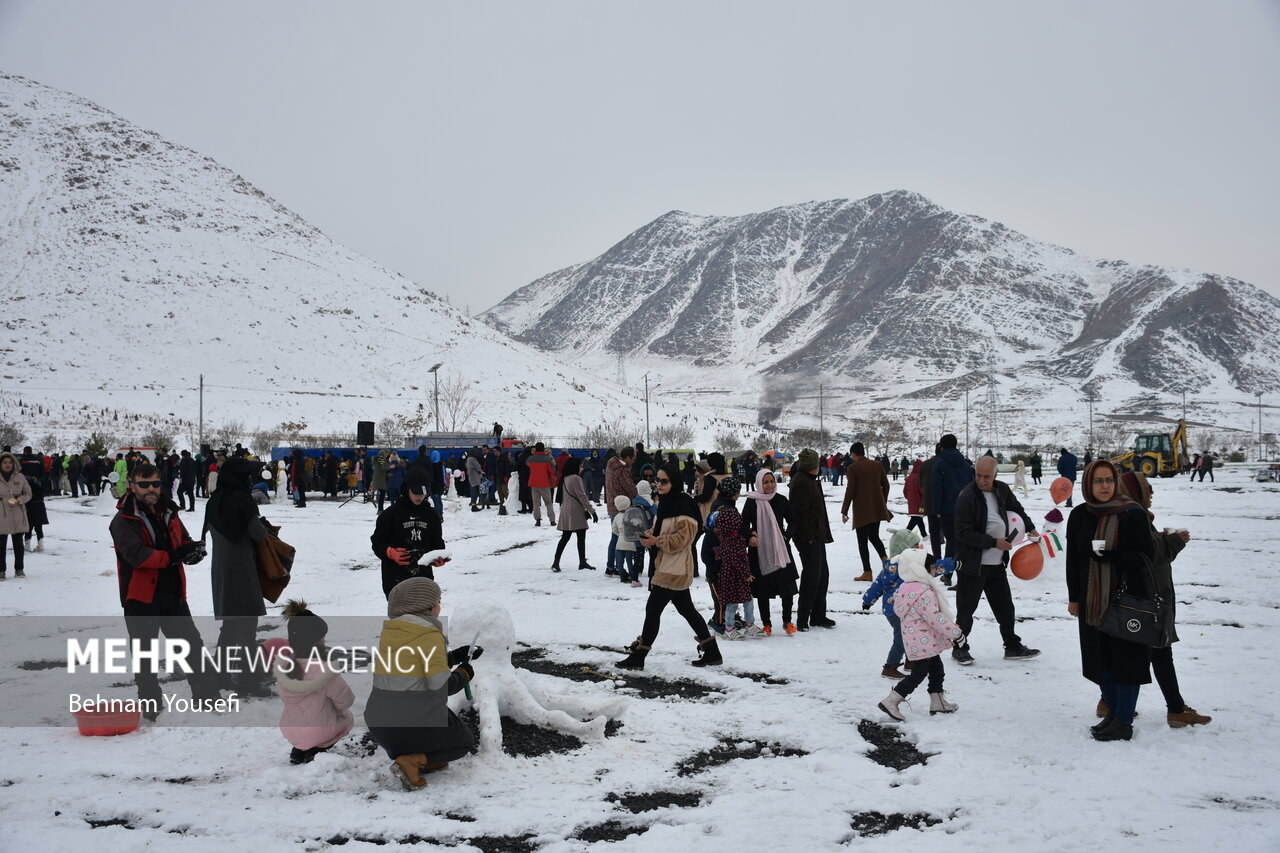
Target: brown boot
pixel 892 672
pixel 1187 717
pixel 906 667
pixel 1102 708
pixel 406 768
pixel 434 766
pixel 865 576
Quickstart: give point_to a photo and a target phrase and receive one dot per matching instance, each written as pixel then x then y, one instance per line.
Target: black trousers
pixel 931 667
pixel 949 532
pixel 659 598
pixel 918 521
pixel 237 643
pixel 815 577
pixel 18 553
pixel 869 533
pixel 1167 678
pixel 936 536
pixel 146 622
pixel 762 604
pixel 187 488
pixel 994 581
pixel 582 545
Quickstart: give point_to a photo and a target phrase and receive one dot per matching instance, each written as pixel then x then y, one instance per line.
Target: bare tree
pixel 727 440
pixel 458 402
pixel 616 434
pixel 158 438
pixel 49 444
pixel 388 432
pixel 228 434
pixel 99 442
pixel 677 435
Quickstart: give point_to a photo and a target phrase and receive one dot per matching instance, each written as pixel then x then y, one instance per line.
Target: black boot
pixel 1116 730
pixel 708 653
pixel 502 510
pixel 635 660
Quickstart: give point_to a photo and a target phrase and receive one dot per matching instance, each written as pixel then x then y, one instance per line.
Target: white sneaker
pixel 753 632
pixel 734 634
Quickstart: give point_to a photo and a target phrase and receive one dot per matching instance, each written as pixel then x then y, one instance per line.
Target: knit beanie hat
pixel 621 503
pixel 643 489
pixel 417 596
pixel 808 459
pixel 702 465
pixel 902 540
pixel 306 629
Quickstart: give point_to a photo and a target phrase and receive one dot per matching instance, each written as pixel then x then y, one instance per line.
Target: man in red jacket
pixel 542 479
pixel 151 547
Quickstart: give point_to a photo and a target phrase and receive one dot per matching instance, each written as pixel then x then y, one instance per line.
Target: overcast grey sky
pixel 476 146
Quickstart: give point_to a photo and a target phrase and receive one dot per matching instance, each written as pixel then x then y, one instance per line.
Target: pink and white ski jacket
pixel 317 707
pixel 925 629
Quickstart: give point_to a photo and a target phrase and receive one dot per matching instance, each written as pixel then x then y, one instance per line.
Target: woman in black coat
pixel 777 576
pixel 1121 530
pixel 232 518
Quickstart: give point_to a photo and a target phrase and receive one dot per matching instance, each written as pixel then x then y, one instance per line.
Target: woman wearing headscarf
pixel 1168 544
pixel 1108 545
pixel 15 494
pixel 575 509
pixel 915 499
pixel 232 518
pixel 413 677
pixel 674 529
pixel 766 515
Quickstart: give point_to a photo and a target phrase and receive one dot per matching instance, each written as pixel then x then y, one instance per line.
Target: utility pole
pixel 1090 399
pixel 1258 394
pixel 1184 405
pixel 822 426
pixel 435 375
pixel 201 412
pixel 646 410
pixel 967 451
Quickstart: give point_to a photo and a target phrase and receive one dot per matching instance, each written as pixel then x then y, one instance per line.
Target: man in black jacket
pixel 187 470
pixel 982 535
pixel 407 530
pixel 810 532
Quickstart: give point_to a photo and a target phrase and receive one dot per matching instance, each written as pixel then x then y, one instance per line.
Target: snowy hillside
pixel 895 296
pixel 131 265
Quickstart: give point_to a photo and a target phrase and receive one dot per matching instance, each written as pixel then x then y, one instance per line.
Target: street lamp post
pixel 435 375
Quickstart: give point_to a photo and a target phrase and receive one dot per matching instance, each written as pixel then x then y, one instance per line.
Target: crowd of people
pixel 672 518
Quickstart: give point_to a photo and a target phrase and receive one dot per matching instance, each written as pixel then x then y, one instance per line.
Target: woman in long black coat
pixel 1126 550
pixel 775 576
pixel 235 525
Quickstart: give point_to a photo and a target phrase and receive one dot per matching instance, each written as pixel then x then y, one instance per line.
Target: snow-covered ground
pixel 1013 769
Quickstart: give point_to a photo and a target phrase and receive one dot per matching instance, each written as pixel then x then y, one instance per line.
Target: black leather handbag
pixel 1136 619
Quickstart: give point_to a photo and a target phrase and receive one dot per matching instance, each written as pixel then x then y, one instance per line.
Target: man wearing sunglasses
pixel 151 546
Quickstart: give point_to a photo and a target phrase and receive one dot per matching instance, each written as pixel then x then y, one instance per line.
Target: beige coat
pixel 13 517
pixel 673 566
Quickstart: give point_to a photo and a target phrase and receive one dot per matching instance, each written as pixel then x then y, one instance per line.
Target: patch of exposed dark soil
pixel 891 748
pixel 611 830
pixel 39 665
pixel 520 739
pixel 267 627
pixel 875 823
pixel 98 823
pixel 1232 489
pixel 503 843
pixel 729 749
pixel 514 547
pixel 645 686
pixel 760 677
pixel 653 800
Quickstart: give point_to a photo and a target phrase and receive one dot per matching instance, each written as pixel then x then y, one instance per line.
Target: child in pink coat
pixel 928 630
pixel 317 700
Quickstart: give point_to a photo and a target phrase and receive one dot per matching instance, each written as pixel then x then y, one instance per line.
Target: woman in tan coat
pixel 15 492
pixel 671 543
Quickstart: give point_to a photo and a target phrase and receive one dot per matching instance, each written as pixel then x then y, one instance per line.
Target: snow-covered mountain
pixel 850 288
pixel 903 301
pixel 130 265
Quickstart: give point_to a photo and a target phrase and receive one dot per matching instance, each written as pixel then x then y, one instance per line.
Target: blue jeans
pixel 1121 699
pixel 439 504
pixel 897 649
pixel 626 565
